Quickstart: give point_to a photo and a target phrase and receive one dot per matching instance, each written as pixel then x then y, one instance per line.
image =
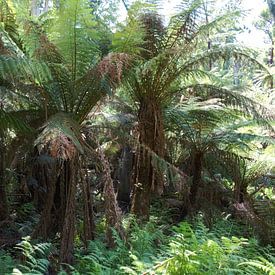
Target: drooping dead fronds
pixel 61 147
pixel 112 66
pixel 112 210
pixel 60 137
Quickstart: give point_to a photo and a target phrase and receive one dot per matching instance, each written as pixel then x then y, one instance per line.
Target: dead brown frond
pixel 61 147
pixel 112 210
pixel 112 66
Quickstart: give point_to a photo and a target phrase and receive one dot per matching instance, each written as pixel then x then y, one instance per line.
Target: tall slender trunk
pixel 46 6
pixel 68 230
pixel 3 194
pixel 271 61
pixel 34 9
pixel 88 214
pixel 148 179
pixel 197 169
pixel 123 175
pixel 208 34
pixel 236 70
pixel 112 211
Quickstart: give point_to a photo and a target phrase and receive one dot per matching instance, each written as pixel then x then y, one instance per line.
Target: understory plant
pixel 190 248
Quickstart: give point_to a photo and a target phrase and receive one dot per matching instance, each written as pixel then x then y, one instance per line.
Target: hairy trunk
pixel 59 203
pixel 68 230
pixel 271 61
pixel 240 192
pixel 88 214
pixel 47 171
pixel 3 194
pixel 147 178
pixel 112 210
pixel 123 175
pixel 196 181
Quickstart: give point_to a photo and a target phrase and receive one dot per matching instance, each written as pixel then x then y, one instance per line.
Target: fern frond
pixel 60 137
pixel 237 100
pixel 12 121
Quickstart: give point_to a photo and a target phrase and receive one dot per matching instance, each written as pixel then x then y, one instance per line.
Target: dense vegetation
pixel 136 146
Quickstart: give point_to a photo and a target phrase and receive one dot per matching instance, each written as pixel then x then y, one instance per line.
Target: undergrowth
pixel 152 248
pixel 188 249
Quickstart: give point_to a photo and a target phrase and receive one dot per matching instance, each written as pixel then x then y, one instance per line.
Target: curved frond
pixel 60 137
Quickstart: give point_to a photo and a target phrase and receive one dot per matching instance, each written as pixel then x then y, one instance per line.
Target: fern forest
pixel 137 137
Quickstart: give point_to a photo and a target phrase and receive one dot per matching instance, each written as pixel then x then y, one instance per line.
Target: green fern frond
pixel 12 121
pixel 237 100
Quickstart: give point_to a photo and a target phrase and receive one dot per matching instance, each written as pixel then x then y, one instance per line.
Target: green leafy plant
pixel 6 262
pixel 35 257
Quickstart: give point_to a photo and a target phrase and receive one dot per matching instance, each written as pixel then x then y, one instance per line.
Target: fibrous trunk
pixel 240 192
pixel 88 214
pixel 46 174
pixel 68 230
pixel 59 209
pixel 123 175
pixel 148 179
pixel 196 181
pixel 112 210
pixel 3 194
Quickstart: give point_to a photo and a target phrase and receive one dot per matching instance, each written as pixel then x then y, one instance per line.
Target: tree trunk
pixel 48 170
pixel 88 213
pixel 147 178
pixel 46 6
pixel 58 214
pixel 240 192
pixel 3 194
pixel 112 210
pixel 197 169
pixel 34 8
pixel 68 230
pixel 123 175
pixel 271 61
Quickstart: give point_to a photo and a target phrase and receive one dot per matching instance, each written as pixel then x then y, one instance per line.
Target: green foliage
pixel 78 44
pixel 35 258
pixel 262 265
pixel 6 262
pixel 199 250
pixel 143 243
pixel 129 36
pixel 188 250
pixel 57 67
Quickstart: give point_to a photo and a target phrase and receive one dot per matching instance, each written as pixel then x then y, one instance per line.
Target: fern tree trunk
pixel 46 174
pixel 148 180
pixel 240 192
pixel 3 194
pixel 196 181
pixel 68 231
pixel 88 213
pixel 59 209
pixel 112 210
